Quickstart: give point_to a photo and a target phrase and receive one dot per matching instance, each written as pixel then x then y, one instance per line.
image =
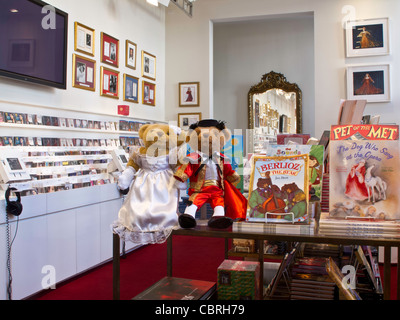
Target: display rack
pixel 204 231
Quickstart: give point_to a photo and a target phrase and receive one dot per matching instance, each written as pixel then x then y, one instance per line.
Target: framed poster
pixel 189 94
pixel 84 39
pixel 130 54
pixel 109 83
pixel 109 49
pixel 131 85
pixel 148 65
pixel 83 73
pixel 187 119
pixel 369 83
pixel 148 93
pixel 367 37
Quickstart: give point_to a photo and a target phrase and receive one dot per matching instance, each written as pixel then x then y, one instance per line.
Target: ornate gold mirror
pixel 274 107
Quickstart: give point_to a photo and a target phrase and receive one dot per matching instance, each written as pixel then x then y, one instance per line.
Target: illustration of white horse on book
pixel 375 182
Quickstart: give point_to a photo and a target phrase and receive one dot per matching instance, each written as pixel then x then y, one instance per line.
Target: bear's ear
pixel 227 134
pixel 142 130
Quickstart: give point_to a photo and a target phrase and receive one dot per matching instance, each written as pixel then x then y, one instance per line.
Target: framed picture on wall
pixel 109 49
pixel 187 119
pixel 131 85
pixel 367 37
pixel 83 73
pixel 130 54
pixel 84 39
pixel 148 93
pixel 371 83
pixel 148 65
pixel 189 94
pixel 109 83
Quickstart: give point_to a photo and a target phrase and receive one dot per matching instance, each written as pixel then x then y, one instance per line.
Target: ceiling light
pixel 153 2
pixel 14 10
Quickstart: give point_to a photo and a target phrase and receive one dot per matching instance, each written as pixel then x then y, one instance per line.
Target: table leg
pixel 398 273
pixel 386 273
pixel 261 260
pixel 169 256
pixel 116 267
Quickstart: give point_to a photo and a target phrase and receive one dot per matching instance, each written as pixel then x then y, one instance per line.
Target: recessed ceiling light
pixel 14 10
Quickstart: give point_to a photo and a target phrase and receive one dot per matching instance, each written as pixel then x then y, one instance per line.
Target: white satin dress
pixel 150 210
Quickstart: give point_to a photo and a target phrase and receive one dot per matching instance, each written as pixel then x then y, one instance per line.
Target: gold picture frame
pixel 109 50
pixel 148 65
pixel 84 39
pixel 109 83
pixel 130 54
pixel 131 88
pixel 189 94
pixel 186 119
pixel 148 93
pixel 83 73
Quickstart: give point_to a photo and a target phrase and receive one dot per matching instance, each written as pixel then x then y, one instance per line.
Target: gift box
pixel 238 280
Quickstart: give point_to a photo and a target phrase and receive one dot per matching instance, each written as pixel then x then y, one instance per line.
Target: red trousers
pixel 212 194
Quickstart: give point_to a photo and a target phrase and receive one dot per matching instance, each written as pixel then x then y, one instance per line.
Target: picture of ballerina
pixel 368 83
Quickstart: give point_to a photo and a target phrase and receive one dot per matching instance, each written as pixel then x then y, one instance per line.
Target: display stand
pixel 203 231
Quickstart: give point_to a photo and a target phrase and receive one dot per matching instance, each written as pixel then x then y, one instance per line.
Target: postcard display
pixel 364 171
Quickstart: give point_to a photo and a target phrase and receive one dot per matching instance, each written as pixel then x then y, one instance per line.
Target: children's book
pixel 315 163
pixel 364 171
pixel 278 190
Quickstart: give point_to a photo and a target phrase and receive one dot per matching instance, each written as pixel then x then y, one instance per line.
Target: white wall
pixel 189 44
pixel 134 20
pixel 245 50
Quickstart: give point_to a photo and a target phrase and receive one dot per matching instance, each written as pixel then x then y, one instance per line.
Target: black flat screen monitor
pixel 33 42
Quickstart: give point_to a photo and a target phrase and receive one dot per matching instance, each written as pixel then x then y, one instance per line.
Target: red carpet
pixel 193 258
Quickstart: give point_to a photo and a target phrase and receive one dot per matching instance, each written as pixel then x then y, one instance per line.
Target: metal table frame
pixel 203 231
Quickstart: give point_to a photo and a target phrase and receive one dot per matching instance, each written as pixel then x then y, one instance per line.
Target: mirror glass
pixel 274 107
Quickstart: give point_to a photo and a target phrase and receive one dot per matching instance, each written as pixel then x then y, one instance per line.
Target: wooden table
pixel 204 231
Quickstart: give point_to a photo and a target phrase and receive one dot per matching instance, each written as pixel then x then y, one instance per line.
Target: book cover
pixel 315 163
pixel 171 288
pixel 364 179
pixel 233 150
pixel 278 190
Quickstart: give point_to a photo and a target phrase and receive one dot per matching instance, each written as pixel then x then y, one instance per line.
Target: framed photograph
pixel 371 83
pixel 109 83
pixel 148 65
pixel 148 93
pixel 367 37
pixel 130 54
pixel 189 94
pixel 83 73
pixel 131 88
pixel 84 39
pixel 186 119
pixel 109 49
